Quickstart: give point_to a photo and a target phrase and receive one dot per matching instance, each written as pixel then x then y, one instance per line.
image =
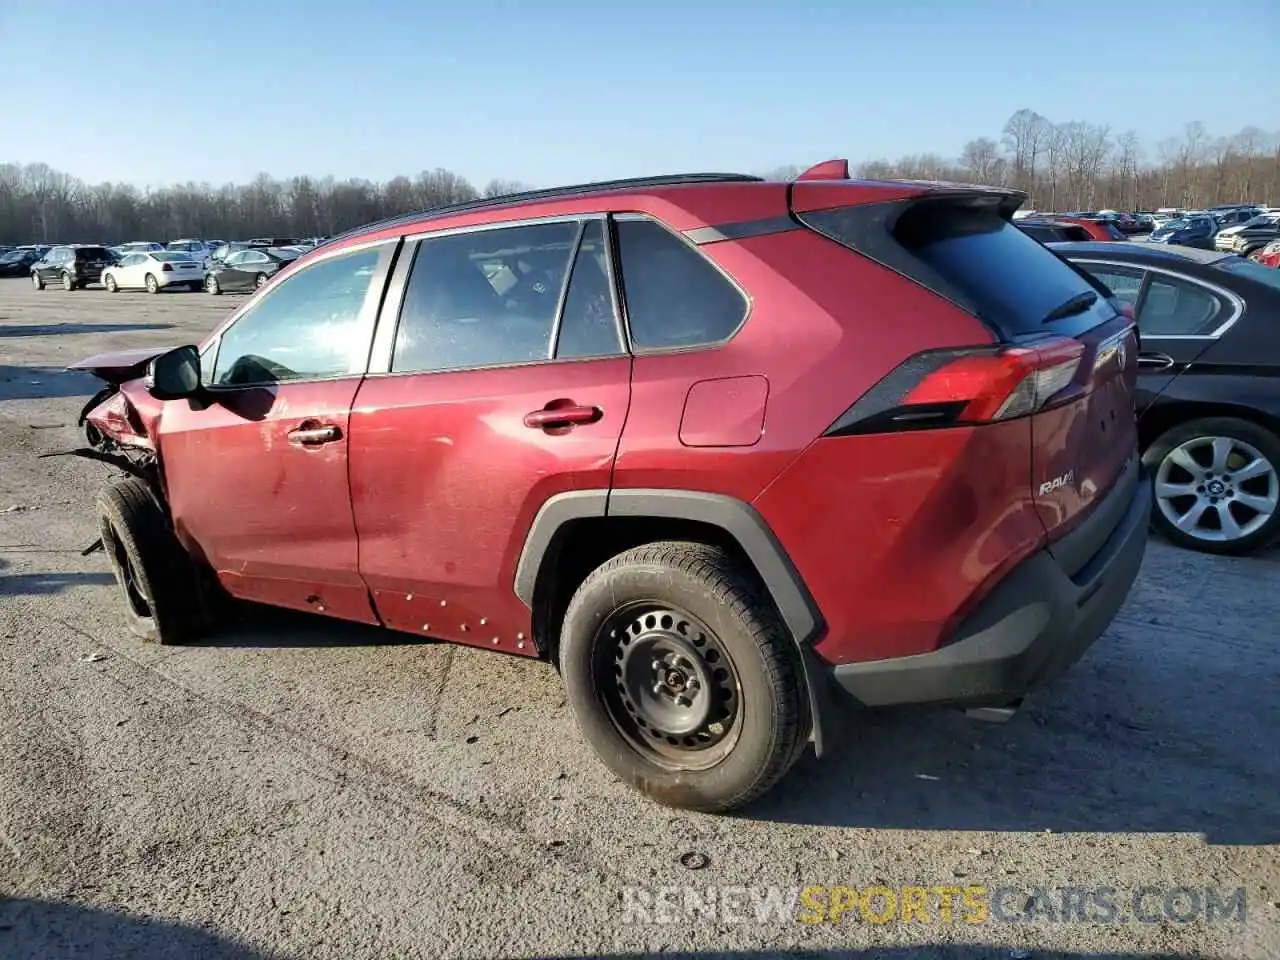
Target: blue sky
pixel 549 91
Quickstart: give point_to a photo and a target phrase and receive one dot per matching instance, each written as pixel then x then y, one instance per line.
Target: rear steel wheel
pixel 669 685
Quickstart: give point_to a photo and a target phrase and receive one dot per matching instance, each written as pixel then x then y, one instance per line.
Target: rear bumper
pixel 1031 628
pixel 186 276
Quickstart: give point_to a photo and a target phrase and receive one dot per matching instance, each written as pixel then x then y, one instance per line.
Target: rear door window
pixel 484 298
pixel 588 324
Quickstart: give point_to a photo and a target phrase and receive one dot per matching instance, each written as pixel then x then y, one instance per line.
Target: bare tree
pixel 502 188
pixel 981 160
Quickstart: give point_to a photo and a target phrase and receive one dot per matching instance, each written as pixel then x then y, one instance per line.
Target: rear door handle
pixel 311 434
pixel 568 415
pixel 1154 361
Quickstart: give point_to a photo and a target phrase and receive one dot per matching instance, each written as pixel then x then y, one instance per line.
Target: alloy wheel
pixel 1217 489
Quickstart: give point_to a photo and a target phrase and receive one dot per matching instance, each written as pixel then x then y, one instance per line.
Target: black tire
pixel 260 281
pixel 158 582
pixel 153 286
pixel 705 585
pixel 36 281
pixel 211 286
pixel 68 282
pixel 1262 440
pixel 109 282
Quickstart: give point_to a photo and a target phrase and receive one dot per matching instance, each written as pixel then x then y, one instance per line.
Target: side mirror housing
pixel 175 375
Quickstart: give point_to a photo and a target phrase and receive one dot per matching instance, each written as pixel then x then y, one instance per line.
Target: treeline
pixel 1077 165
pixel 1070 165
pixel 40 204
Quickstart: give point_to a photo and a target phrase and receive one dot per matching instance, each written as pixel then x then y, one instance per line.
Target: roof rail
pixel 550 193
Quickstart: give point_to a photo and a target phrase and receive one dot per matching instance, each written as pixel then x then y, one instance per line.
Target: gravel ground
pixel 301 788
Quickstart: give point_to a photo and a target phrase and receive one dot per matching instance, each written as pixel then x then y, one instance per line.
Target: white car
pixel 154 272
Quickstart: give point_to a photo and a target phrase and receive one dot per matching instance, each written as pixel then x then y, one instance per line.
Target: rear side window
pixel 1125 283
pixel 969 253
pixel 1176 308
pixel 674 296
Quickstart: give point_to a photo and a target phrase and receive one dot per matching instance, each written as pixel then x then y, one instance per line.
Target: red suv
pixel 708 443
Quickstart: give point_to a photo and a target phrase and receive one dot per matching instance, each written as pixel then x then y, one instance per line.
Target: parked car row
pixel 145 265
pixel 1245 230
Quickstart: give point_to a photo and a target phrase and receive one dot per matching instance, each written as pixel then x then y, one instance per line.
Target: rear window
pixel 969 253
pixel 170 256
pixel 93 253
pixel 1112 231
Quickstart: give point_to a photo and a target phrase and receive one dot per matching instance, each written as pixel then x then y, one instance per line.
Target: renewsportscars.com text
pixel 937 904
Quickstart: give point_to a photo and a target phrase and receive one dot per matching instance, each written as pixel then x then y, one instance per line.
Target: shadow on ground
pixel 45 930
pixel 248 625
pixel 1107 749
pixel 43 383
pixel 28 584
pixel 56 329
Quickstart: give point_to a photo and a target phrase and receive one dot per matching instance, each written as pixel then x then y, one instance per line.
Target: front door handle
pixel 311 434
pixel 561 414
pixel 1154 361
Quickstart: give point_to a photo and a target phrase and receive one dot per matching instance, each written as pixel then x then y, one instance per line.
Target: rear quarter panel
pixel 825 325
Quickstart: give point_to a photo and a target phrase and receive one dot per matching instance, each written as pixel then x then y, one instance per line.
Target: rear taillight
pixel 947 388
pixel 166 267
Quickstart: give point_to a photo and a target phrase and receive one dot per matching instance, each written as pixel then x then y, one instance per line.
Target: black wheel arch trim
pixel 737 518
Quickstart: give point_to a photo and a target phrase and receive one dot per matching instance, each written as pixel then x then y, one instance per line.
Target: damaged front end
pixel 118 420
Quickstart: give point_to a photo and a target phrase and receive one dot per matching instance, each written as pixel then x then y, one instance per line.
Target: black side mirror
pixel 175 375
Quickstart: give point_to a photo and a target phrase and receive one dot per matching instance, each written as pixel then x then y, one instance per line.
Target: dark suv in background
pixel 72 266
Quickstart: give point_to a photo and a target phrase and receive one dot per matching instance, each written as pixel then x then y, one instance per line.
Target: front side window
pixel 484 298
pixel 307 327
pixel 674 296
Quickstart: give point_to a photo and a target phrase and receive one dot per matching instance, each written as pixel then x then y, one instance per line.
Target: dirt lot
pixel 296 787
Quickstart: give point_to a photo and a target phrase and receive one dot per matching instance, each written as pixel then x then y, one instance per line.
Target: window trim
pixel 1235 303
pixel 366 319
pixel 382 353
pixel 621 286
pixel 611 279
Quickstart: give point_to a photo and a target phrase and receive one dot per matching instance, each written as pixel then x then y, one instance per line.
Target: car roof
pixel 531 196
pixel 1138 250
